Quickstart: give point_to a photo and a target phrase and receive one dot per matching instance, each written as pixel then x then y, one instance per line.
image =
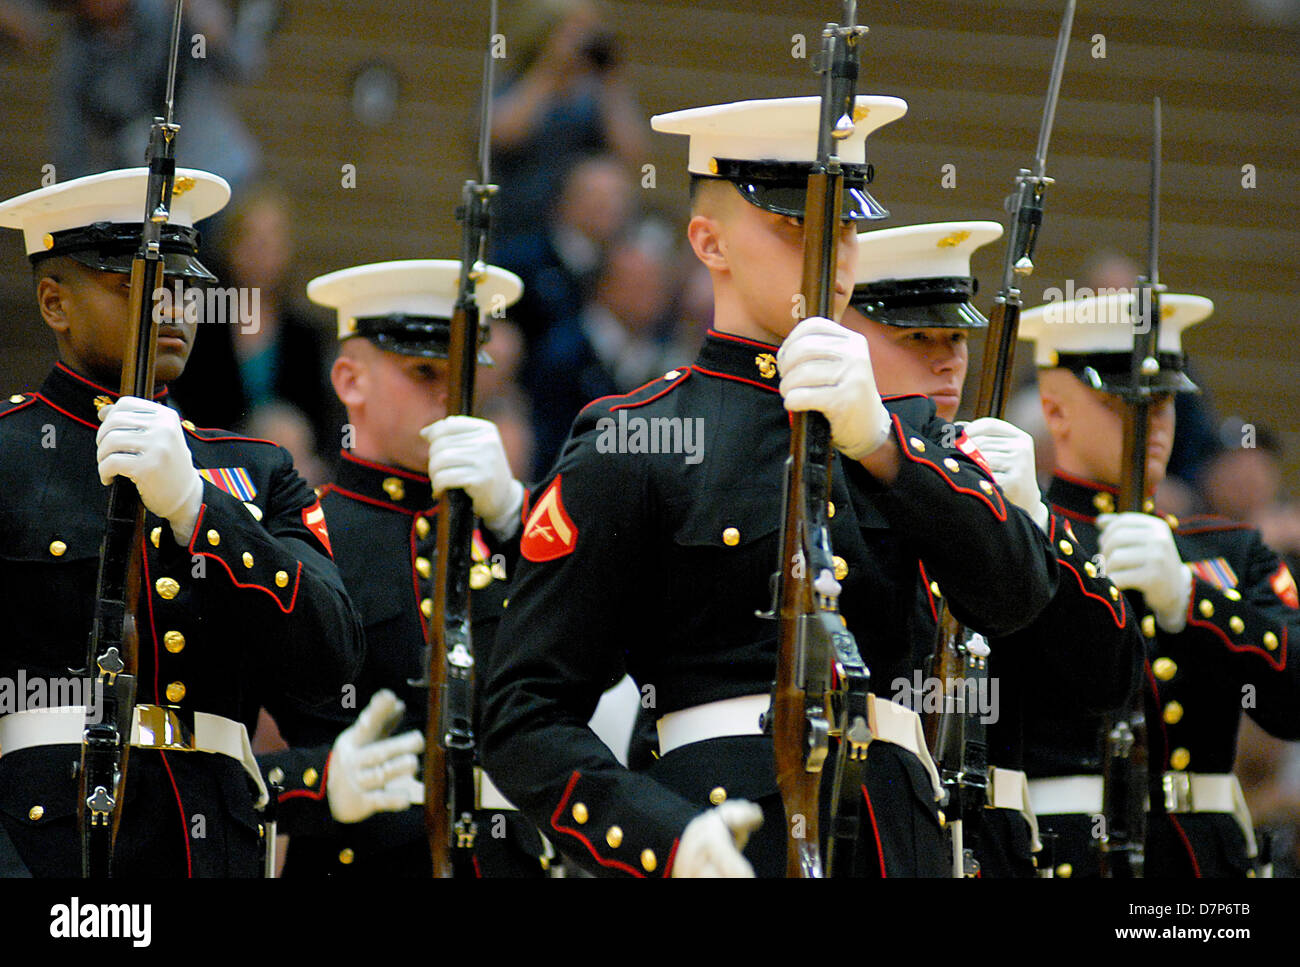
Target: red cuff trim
pixel 1000 514
pixel 297 577
pixel 555 824
pixel 316 795
pixel 1276 660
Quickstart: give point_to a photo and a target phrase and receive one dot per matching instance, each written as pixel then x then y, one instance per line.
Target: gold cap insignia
pixel 182 185
pixel 953 240
pixel 394 487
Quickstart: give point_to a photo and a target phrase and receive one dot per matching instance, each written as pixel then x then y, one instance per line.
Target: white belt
pixel 152 727
pixel 1009 789
pixel 889 722
pixel 1185 792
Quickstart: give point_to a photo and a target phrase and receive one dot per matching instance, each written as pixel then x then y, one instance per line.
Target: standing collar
pixel 381 484
pixel 1085 498
pixel 736 357
pixel 79 397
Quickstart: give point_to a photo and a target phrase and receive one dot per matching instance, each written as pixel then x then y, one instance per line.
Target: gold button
pixel 253 509
pixel 986 487
pixel 1172 521
pixel 346 856
pixel 614 837
pixel 174 642
pixel 1066 548
pixel 16 398
pixel 394 487
pixel 155 536
pixel 648 861
pixel 423 567
pixel 426 607
pixel 276 776
pixel 214 538
pixel 1173 713
pixel 1232 594
pixel 579 813
pixel 1179 758
pixel 731 537
pixel 943 820
pixel 1065 871
pixel 248 559
pixel 1148 506
pixel 952 465
pixel 1236 624
pixel 841 567
pixel 35 813
pixel 310 776
pixel 917 444
pixel 1114 593
pixel 545 863
pixel 175 692
pixel 1206 607
pixel 1090 569
pixel 58 548
pixel 1149 626
pixel 1164 668
pixel 480 576
pixel 422 527
pixel 281 579
pixel 713 166
pixel 1270 641
pixel 672 374
pixel 167 588
pixel 188 424
pixel 717 795
pixel 934 589
pixel 830 509
pixel 1104 503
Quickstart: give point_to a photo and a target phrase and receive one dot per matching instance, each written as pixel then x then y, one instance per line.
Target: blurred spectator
pixel 1244 482
pixel 620 340
pixel 288 426
pixel 111 77
pixel 1269 770
pixel 563 101
pixel 499 398
pixel 283 354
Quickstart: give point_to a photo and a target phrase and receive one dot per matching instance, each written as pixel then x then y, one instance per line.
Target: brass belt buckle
pixel 163 728
pixel 1178 792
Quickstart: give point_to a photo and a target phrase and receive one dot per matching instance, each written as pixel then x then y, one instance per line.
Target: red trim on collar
pixel 103 389
pixel 75 419
pixel 738 379
pixel 555 816
pixel 733 338
pixel 1072 514
pixel 1082 482
pixel 230 436
pixel 654 396
pixel 1209 528
pixel 394 471
pixel 353 495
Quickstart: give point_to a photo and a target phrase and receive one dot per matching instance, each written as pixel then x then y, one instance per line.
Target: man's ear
pixel 349 378
pixel 1055 405
pixel 50 299
pixel 706 235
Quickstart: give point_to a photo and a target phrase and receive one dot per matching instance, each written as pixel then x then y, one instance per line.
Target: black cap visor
pixel 1112 373
pixel 940 303
pixel 782 188
pixel 426 336
pixel 112 247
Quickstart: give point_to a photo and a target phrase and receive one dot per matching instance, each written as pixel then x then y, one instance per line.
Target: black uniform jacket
pixel 252 612
pixel 383 527
pixel 1082 653
pixel 657 563
pixel 1233 656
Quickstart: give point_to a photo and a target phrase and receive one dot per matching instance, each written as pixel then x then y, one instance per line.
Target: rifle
pixel 820 678
pixel 956 737
pixel 1124 766
pixel 449 729
pixel 113 648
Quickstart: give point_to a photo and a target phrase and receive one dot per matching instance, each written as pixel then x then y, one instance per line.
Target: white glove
pixel 711 843
pixel 369 773
pixel 827 368
pixel 143 440
pixel 467 453
pixel 1140 553
pixel 1009 452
